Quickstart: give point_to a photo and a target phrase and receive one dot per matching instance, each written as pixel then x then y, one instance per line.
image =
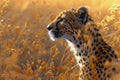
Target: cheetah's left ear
pixel 82 14
pixel 73 9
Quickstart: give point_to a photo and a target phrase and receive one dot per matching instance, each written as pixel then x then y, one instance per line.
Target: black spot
pixel 115 56
pixel 85 59
pixel 103 44
pixel 85 54
pixel 99 76
pixel 101 50
pixel 93 34
pixel 101 71
pixel 105 47
pixel 104 74
pixel 111 55
pixel 80 42
pixel 93 48
pixel 96 40
pixel 97 34
pixel 89 30
pixel 109 48
pixel 88 56
pixel 81 51
pixel 98 66
pixel 104 52
pixel 110 59
pixel 102 66
pixel 97 71
pixel 97 44
pixel 98 55
pixel 85 51
pixel 100 58
pixel 104 61
pixel 112 51
pixel 85 41
pixel 92 44
pixel 93 62
pixel 105 68
pixel 80 61
pixel 68 30
pixel 96 52
pixel 90 74
pixel 106 56
pixel 90 69
pixel 79 54
pixel 73 37
pixel 78 45
pixel 113 69
pixel 95 29
pixel 75 32
pixel 108 76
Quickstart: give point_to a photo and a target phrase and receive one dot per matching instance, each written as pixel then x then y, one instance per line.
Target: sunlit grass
pixel 27 53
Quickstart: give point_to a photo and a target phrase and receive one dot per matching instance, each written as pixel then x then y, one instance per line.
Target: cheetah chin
pixel 53 37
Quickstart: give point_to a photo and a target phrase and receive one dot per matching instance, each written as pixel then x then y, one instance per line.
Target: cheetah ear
pixel 82 15
pixel 82 10
pixel 73 9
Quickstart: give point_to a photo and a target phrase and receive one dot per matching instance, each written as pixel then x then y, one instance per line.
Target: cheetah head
pixel 67 24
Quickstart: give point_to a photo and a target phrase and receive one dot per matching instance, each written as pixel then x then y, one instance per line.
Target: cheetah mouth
pixel 54 35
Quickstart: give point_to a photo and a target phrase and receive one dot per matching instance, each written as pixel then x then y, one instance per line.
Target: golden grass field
pixel 27 53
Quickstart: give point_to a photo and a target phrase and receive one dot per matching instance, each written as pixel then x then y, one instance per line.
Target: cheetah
pixel 93 55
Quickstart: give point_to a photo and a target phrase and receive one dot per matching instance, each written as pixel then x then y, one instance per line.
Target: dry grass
pixel 27 53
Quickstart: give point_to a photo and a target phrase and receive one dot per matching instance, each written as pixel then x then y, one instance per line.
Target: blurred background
pixel 27 53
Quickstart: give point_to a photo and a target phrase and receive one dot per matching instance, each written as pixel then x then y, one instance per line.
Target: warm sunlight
pixel 26 51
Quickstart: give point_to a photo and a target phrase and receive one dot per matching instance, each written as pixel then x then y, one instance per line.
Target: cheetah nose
pixel 49 27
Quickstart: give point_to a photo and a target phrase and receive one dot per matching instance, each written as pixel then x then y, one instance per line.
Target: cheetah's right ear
pixel 82 10
pixel 82 15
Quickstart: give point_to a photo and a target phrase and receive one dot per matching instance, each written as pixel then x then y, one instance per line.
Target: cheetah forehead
pixel 81 15
pixel 66 14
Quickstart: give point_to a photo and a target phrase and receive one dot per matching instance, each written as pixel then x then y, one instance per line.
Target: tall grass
pixel 27 53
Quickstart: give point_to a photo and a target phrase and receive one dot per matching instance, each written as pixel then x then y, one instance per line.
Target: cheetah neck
pixel 90 38
pixel 90 49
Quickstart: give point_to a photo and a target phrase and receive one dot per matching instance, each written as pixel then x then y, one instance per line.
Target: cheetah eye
pixel 58 21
